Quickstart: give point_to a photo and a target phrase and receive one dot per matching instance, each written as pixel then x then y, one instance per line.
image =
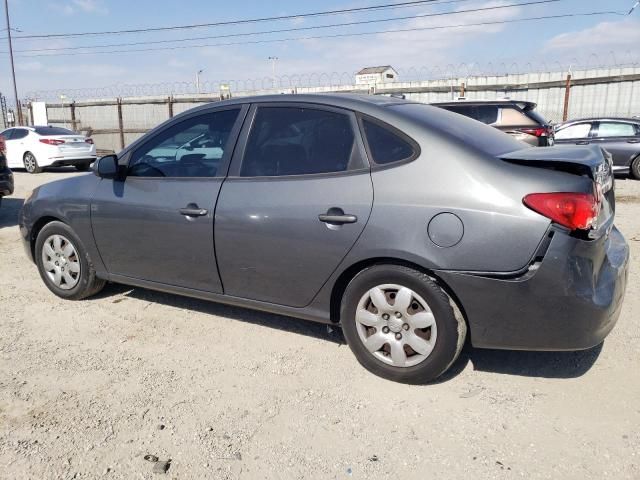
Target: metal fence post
pixel 462 88
pixel 72 107
pixel 567 94
pixel 120 123
pixel 170 104
pixel 31 113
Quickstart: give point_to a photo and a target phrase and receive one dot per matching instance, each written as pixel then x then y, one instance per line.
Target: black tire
pixel 451 329
pixel 82 167
pixel 88 284
pixel 635 168
pixel 31 163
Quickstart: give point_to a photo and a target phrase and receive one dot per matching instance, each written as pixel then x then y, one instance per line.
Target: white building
pixel 375 75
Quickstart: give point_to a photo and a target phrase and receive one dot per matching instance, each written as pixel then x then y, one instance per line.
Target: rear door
pixel 621 139
pixel 157 223
pixel 298 195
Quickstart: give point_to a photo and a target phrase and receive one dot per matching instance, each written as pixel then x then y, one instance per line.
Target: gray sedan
pixel 412 227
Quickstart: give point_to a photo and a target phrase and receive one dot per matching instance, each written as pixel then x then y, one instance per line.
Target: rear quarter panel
pixel 500 233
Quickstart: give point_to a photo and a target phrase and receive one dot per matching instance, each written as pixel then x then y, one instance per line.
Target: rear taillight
pixel 536 132
pixel 3 145
pixel 576 211
pixel 51 141
pixel 89 141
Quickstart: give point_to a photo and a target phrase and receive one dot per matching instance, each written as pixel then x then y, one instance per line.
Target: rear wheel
pixel 400 324
pixel 64 264
pixel 635 168
pixel 31 164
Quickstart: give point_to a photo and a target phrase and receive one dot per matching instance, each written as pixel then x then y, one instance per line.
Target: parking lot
pixel 88 388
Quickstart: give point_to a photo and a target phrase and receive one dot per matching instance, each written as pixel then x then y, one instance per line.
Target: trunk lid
pixel 589 161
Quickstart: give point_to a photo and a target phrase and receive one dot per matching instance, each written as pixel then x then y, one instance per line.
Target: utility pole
pixel 273 68
pixel 198 80
pixel 13 70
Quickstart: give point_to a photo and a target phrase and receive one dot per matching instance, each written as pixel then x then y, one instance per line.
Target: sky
pixel 557 42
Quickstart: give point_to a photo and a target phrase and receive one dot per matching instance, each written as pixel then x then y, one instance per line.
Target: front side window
pixel 190 148
pixel 299 141
pixel 616 129
pixel 386 146
pixel 581 130
pixel 7 134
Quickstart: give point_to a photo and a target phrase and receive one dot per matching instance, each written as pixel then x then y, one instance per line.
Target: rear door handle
pixel 582 143
pixel 336 216
pixel 633 141
pixel 192 210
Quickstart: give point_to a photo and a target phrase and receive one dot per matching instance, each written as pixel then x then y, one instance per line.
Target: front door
pixel 299 194
pixel 156 224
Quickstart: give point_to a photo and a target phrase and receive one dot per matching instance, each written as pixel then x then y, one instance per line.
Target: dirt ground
pixel 88 388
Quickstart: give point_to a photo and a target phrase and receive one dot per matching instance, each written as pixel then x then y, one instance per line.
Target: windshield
pixel 53 131
pixel 470 132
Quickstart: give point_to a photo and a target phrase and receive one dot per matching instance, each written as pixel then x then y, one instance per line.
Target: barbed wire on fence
pixel 335 79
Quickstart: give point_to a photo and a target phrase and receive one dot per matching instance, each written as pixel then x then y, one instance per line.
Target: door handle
pixel 582 143
pixel 336 216
pixel 633 141
pixel 192 210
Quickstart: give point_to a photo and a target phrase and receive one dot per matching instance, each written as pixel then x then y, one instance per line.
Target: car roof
pixel 345 100
pixel 600 119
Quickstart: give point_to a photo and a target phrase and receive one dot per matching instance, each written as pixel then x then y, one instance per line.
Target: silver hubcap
pixel 60 262
pixel 396 325
pixel 30 162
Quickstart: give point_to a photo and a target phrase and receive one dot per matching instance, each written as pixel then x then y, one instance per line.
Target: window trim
pixel 239 154
pixel 124 158
pixel 399 133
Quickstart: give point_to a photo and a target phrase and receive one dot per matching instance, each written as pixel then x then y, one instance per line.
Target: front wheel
pixel 82 167
pixel 64 264
pixel 31 164
pixel 400 325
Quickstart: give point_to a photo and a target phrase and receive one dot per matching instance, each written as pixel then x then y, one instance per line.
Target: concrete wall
pixel 598 92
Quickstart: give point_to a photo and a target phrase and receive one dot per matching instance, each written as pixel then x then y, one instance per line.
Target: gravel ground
pixel 88 388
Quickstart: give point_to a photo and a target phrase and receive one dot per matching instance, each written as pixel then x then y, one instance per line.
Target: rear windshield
pixel 536 116
pixel 53 131
pixel 475 134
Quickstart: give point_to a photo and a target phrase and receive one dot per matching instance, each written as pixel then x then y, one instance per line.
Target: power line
pixel 237 22
pixel 296 29
pixel 338 35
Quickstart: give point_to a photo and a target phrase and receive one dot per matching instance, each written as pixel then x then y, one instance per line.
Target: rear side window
pixel 616 129
pixel 53 131
pixel 386 146
pixel 299 141
pixel 581 130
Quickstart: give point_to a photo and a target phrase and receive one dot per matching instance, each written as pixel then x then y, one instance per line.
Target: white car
pixel 33 148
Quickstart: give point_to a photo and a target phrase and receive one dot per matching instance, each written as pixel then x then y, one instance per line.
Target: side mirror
pixel 106 167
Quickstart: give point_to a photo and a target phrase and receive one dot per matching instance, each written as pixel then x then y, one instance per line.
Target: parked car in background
pixel 517 118
pixel 34 148
pixel 6 177
pixel 405 223
pixel 619 136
